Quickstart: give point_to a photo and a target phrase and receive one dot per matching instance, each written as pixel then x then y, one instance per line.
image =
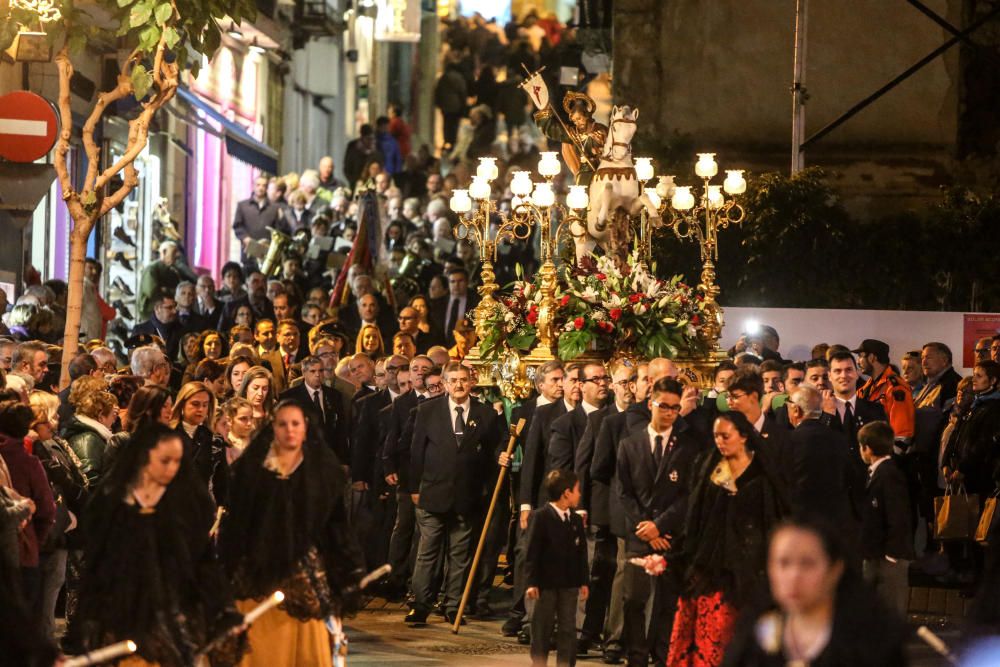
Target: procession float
pixel 606 299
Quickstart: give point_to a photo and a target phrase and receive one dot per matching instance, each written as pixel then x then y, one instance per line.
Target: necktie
pixel 848 418
pixel 459 421
pixel 565 517
pixel 318 400
pixel 452 316
pixel 420 399
pixel 658 454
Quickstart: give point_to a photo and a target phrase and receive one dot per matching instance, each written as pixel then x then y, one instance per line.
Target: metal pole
pixel 798 86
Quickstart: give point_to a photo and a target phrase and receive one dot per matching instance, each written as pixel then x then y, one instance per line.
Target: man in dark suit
pixel 817 470
pixel 744 396
pixel 549 382
pixel 602 570
pixel 887 523
pixel 655 471
pixel 568 429
pixel 253 217
pixel 452 460
pixel 409 323
pixel 604 473
pixel 323 407
pixel 396 466
pixel 447 312
pixel 255 298
pixel 163 323
pixel 843 409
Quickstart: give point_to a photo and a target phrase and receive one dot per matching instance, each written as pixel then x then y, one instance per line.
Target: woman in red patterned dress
pixel 721 556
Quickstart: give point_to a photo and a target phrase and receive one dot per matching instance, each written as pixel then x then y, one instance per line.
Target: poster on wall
pixel 974 327
pixel 398 21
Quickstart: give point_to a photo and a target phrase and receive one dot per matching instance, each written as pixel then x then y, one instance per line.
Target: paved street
pixel 379 638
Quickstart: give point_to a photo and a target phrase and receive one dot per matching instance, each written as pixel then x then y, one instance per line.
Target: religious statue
pixel 583 139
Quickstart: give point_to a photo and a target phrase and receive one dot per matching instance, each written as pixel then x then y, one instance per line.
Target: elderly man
pixel 187 302
pixel 409 323
pixel 207 305
pixel 150 364
pixel 30 361
pixel 327 180
pixel 160 276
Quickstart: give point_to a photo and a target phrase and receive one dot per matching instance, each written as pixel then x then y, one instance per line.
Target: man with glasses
pixel 324 406
pixel 982 349
pixel 745 397
pixel 453 454
pixel 568 429
pixel 409 323
pixel 395 466
pixel 655 470
pixel 595 503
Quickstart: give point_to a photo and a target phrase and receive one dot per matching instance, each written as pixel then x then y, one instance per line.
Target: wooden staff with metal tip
pixel 515 431
pixel 937 644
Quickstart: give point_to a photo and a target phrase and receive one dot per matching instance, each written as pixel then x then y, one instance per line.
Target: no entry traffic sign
pixel 28 126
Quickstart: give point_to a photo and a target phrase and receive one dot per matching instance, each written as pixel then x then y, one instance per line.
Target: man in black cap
pixel 885 386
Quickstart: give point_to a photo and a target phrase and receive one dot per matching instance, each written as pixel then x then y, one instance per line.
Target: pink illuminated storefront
pixel 226 154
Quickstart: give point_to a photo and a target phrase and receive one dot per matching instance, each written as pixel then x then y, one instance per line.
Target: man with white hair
pixel 309 186
pixel 818 471
pixel 150 364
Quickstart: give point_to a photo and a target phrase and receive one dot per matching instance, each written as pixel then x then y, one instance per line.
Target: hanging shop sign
pixel 398 21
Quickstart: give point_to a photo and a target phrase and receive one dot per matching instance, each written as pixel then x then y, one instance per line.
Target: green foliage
pixel 193 28
pixel 574 343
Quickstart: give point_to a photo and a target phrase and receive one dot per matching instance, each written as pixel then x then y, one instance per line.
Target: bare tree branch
pixel 123 89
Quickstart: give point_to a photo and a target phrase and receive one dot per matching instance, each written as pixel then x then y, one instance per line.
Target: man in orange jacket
pixel 885 386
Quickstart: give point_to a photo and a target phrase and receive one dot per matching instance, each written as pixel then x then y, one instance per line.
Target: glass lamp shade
pixel 487 169
pixel 665 188
pixel 653 197
pixel 715 197
pixel 548 164
pixel 682 200
pixel 706 166
pixel 644 169
pixel 521 184
pixel 577 197
pixel 480 189
pixel 460 201
pixel 735 184
pixel 543 196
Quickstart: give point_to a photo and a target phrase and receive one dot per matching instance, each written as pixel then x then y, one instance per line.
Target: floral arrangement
pixel 653 564
pixel 629 310
pixel 602 306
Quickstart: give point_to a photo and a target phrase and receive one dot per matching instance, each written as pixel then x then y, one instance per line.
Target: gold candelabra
pixel 701 219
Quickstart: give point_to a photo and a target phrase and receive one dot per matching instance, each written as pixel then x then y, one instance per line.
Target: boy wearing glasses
pixel 655 467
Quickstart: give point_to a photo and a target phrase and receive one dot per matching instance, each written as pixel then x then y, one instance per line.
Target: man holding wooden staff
pixel 453 465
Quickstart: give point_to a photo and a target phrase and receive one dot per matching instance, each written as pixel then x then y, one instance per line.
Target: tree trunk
pixel 74 295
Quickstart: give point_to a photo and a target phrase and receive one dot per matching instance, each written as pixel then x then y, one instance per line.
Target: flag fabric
pixel 361 253
pixel 536 89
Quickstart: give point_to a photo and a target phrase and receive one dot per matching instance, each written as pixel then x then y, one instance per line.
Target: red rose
pixel 606 327
pixel 695 320
pixel 578 323
pixel 532 316
pixel 564 301
pixel 635 298
pixel 601 276
pixel 615 314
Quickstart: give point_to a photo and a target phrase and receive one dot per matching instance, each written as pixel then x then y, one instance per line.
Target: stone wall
pixel 716 76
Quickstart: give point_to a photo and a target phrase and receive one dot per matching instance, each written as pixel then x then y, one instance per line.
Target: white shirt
pixel 588 408
pixel 465 410
pixel 314 394
pixel 842 405
pixel 392 395
pixel 759 424
pixel 652 433
pixel 569 406
pixel 563 514
pixel 541 400
pixel 875 464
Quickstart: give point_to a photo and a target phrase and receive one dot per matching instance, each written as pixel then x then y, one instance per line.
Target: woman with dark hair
pixel 150 571
pixel 213 374
pixel 212 345
pixel 721 555
pixel 972 455
pixel 816 611
pixel 191 417
pixel 287 529
pixel 419 304
pixel 232 283
pixel 150 405
pixel 235 370
pixel 27 478
pixel 189 354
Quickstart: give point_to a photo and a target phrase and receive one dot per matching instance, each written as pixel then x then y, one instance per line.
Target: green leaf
pixel 141 81
pixel 148 38
pixel 171 37
pixel 523 341
pixel 125 3
pixel 163 13
pixel 140 14
pixel 77 43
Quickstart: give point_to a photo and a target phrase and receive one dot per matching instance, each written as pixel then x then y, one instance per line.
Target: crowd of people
pixel 313 416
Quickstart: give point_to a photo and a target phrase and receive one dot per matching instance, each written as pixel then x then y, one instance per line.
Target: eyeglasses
pixel 624 383
pixel 435 386
pixel 396 369
pixel 459 380
pixel 734 396
pixel 600 379
pixel 406 317
pixel 669 407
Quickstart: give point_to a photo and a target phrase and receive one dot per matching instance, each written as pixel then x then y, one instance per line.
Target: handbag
pixel 987 518
pixel 956 515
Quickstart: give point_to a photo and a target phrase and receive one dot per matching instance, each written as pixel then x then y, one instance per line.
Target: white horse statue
pixel 615 192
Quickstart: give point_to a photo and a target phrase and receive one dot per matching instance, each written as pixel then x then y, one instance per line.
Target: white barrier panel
pixel 902 330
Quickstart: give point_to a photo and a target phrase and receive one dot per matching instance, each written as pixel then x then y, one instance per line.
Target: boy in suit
pixel 556 568
pixel 886 521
